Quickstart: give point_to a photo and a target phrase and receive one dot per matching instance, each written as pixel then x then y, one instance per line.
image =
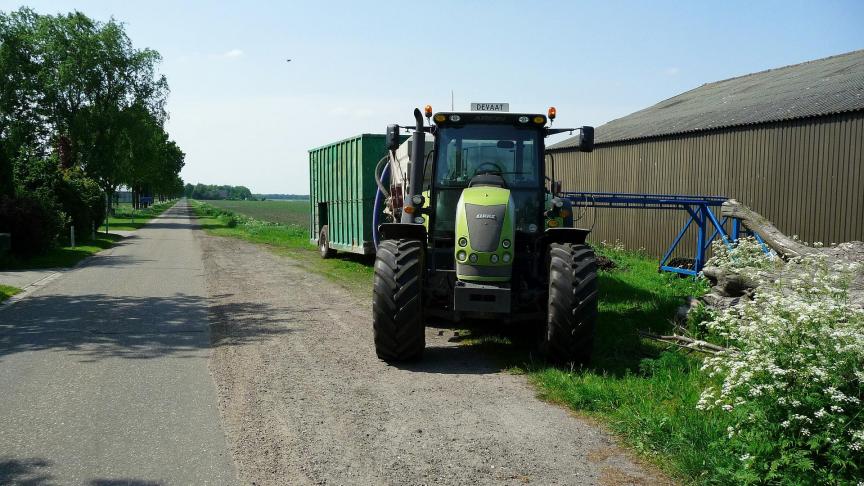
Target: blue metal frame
pixel 698 207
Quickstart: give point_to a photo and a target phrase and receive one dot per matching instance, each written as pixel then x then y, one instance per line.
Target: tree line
pixel 82 112
pixel 213 192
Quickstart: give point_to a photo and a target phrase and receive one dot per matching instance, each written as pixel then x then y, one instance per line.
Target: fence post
pixel 72 235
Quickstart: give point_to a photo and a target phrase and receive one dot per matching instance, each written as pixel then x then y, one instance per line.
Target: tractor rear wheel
pixel 572 312
pixel 324 243
pixel 397 303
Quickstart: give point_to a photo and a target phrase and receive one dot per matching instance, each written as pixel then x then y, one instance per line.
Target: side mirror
pixel 391 138
pixel 586 139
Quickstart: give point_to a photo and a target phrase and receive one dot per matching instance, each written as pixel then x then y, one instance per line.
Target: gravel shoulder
pixel 304 399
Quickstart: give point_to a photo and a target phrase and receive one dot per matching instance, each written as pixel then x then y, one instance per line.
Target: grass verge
pixel 350 270
pixel 7 291
pixel 61 257
pixel 641 390
pixel 126 218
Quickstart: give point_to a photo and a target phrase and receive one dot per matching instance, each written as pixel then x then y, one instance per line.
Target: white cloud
pixel 233 54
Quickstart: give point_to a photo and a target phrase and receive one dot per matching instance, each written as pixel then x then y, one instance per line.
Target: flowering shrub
pixel 617 245
pixel 793 377
pixel 746 254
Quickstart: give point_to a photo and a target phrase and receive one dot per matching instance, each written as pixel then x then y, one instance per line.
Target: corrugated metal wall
pixel 807 176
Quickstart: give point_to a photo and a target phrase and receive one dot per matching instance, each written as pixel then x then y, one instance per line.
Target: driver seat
pixel 487 179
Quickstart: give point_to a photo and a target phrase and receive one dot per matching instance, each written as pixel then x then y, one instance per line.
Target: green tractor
pixel 476 231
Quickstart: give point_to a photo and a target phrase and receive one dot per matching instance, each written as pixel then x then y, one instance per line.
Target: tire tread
pixel 397 307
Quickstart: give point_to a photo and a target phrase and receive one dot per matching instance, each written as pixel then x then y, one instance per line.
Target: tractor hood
pixel 484 234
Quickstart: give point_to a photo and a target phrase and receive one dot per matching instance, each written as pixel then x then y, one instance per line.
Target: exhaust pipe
pixel 418 149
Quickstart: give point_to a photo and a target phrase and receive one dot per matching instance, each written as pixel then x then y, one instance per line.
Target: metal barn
pixel 788 142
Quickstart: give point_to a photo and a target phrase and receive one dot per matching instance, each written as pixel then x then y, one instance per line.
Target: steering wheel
pixel 496 168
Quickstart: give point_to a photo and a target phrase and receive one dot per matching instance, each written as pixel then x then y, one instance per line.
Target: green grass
pixel 60 257
pixel 127 219
pixel 283 212
pixel 7 291
pixel 643 391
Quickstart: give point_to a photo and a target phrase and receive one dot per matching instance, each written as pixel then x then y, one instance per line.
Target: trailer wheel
pixel 397 307
pixel 572 312
pixel 324 243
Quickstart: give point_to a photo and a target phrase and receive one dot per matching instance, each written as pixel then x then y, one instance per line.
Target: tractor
pixel 473 228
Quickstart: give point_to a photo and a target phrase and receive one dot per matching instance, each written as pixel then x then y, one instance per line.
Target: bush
pixel 229 220
pixel 33 223
pixel 746 254
pixel 793 378
pixel 83 201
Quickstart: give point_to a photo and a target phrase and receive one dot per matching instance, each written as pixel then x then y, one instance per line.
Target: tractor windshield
pixel 507 150
pixel 513 152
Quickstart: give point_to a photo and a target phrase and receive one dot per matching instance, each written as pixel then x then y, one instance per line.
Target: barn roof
pixel 821 87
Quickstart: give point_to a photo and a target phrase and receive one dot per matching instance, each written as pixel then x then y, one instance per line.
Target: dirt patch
pixel 304 399
pixel 605 264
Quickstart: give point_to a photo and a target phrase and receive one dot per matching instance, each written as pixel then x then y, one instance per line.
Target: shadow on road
pixel 97 326
pixel 34 471
pixel 455 360
pixel 162 224
pixel 30 471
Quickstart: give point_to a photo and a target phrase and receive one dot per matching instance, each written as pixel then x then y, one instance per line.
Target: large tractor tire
pixel 572 312
pixel 324 243
pixel 397 301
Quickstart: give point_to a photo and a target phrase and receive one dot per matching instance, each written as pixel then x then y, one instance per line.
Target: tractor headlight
pixel 460 255
pixel 473 258
pixel 523 119
pixel 505 243
pixel 463 241
pixel 455 118
pixel 419 220
pixel 532 228
pixel 506 258
pixel 493 258
pixel 418 200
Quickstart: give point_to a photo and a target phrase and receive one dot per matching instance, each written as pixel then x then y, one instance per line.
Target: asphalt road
pixel 104 372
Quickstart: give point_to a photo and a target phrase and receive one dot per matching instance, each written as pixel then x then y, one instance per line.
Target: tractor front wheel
pixel 572 310
pixel 397 308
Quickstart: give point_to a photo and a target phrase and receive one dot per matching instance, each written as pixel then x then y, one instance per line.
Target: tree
pixel 80 107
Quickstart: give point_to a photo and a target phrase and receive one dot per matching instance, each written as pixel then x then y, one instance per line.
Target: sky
pixel 244 115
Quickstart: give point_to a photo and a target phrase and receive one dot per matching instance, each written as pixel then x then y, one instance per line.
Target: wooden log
pixel 782 244
pixel 685 342
pixel 728 283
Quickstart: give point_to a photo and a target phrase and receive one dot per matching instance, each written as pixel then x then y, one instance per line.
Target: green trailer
pixel 342 192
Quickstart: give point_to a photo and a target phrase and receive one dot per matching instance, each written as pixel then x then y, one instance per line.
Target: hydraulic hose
pixel 378 178
pixel 379 202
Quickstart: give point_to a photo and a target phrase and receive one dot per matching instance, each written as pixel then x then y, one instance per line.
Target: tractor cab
pixel 480 149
